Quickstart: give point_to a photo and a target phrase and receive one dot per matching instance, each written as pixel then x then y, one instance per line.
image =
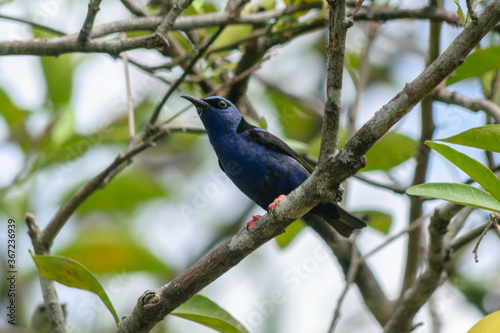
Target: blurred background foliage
pixel 173 204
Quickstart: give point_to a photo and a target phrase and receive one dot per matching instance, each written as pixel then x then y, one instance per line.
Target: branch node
pixel 150 297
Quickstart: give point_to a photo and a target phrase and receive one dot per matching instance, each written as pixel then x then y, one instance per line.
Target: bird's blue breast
pixel 258 171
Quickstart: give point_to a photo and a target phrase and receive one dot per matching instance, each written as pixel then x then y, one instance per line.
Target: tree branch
pixel 83 37
pixel 154 305
pixel 473 104
pixel 121 161
pixel 335 50
pixel 414 255
pixel 349 159
pixel 70 44
pixel 429 280
pixel 373 295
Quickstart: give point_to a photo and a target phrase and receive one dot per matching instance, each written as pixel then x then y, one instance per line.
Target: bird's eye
pixel 222 104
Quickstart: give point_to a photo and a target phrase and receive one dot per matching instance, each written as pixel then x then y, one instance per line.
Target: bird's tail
pixel 341 220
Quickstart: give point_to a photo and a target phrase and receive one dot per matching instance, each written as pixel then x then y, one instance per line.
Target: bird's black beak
pixel 198 103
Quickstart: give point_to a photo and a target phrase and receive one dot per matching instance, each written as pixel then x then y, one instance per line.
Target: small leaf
pixel 391 150
pixel 483 137
pixel 460 13
pixel 458 193
pixel 231 34
pixel 72 274
pixel 290 233
pixel 298 122
pixel 477 64
pixel 202 310
pixel 481 174
pixel 263 123
pixel 113 249
pixel 15 118
pixel 58 75
pixel 377 220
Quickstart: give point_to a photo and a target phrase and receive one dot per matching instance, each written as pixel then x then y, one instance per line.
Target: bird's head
pixel 217 114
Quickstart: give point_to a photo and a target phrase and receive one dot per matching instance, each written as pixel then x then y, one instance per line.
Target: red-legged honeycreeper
pixel 261 165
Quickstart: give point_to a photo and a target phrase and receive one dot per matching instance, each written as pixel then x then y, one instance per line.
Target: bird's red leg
pixel 272 206
pixel 250 223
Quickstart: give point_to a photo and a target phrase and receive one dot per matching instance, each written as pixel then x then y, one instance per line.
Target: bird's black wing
pixel 266 139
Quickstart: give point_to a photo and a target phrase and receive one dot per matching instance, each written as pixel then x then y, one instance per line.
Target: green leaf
pixel 64 127
pixel 72 274
pixel 460 13
pixel 477 64
pixel 290 233
pixel 481 174
pixel 298 122
pixel 58 76
pixel 206 312
pixel 391 150
pixel 483 137
pixel 14 117
pixel 377 220
pixel 263 123
pixel 458 193
pixel 77 145
pixel 122 194
pixel 113 249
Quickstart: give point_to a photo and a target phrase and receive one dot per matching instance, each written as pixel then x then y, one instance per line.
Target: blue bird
pixel 261 165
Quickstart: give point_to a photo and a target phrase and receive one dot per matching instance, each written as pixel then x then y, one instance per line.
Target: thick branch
pixel 154 305
pixel 335 50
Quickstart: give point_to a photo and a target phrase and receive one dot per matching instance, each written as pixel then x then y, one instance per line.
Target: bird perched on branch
pixel 261 165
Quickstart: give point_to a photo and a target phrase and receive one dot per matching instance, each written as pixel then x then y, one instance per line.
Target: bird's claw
pixel 251 222
pixel 272 207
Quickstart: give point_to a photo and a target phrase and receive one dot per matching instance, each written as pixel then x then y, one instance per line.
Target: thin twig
pixel 351 274
pixel 169 19
pixel 470 10
pixel 121 161
pixel 131 122
pixel 198 54
pixel 492 223
pixel 393 187
pixel 33 24
pixel 468 237
pixel 436 322
pixel 84 35
pixel 68 44
pixel 389 240
pixel 133 7
pixel 476 247
pixel 414 255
